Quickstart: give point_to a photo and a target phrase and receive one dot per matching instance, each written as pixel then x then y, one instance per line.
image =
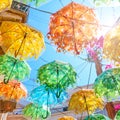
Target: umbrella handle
pixel 44 117
pixel 6 81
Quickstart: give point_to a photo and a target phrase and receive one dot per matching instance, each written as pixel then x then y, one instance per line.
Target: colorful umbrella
pixel 66 118
pixel 35 111
pixel 21 41
pixel 13 68
pixel 112 43
pixel 106 3
pixel 57 75
pixel 4 4
pixel 13 90
pixel 97 117
pixel 107 84
pixel 73 27
pixel 117 116
pixel 85 101
pixel 44 95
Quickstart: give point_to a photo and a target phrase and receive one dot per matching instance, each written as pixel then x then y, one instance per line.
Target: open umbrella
pixel 85 101
pixel 12 91
pixel 57 75
pixel 13 68
pixel 66 118
pixel 36 111
pixel 44 95
pixel 73 27
pixel 97 117
pixel 5 4
pixel 21 41
pixel 112 43
pixel 107 84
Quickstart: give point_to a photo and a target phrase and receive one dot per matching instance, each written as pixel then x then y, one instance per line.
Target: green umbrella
pixel 13 68
pixel 117 116
pixel 97 117
pixel 57 75
pixel 35 111
pixel 107 84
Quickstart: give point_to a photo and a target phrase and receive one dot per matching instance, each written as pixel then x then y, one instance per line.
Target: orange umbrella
pixel 12 90
pixel 73 27
pixel 66 118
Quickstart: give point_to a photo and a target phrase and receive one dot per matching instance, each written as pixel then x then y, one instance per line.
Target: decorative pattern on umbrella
pixel 57 75
pixel 73 27
pixel 112 43
pixel 117 116
pixel 13 90
pixel 4 4
pixel 66 118
pixel 13 68
pixel 107 84
pixel 85 101
pixel 106 3
pixel 35 111
pixel 97 117
pixel 43 95
pixel 20 40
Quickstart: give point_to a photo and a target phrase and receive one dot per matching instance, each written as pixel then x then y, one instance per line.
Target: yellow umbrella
pixel 111 47
pixel 85 101
pixel 21 41
pixel 4 4
pixel 66 118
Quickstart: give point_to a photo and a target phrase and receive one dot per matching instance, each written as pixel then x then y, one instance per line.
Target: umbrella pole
pixel 109 105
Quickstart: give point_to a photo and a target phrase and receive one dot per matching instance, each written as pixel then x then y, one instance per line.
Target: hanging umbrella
pixel 5 4
pixel 112 43
pixel 117 116
pixel 44 95
pixel 21 41
pixel 13 68
pixel 107 84
pixel 73 27
pixel 35 111
pixel 66 118
pixel 106 3
pixel 12 91
pixel 57 75
pixel 85 101
pixel 97 117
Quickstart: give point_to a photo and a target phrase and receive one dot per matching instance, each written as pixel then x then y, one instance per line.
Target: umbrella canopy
pixel 57 75
pixel 35 111
pixel 97 117
pixel 112 43
pixel 43 95
pixel 21 41
pixel 72 27
pixel 13 90
pixel 106 3
pixel 4 4
pixel 85 101
pixel 107 84
pixel 66 118
pixel 13 68
pixel 117 116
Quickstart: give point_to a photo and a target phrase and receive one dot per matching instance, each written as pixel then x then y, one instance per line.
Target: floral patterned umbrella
pixel 4 4
pixel 44 95
pixel 85 101
pixel 12 91
pixel 73 27
pixel 57 75
pixel 36 111
pixel 66 118
pixel 107 84
pixel 112 43
pixel 13 68
pixel 21 41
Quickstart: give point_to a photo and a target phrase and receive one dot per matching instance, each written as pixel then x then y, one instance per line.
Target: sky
pixel 40 21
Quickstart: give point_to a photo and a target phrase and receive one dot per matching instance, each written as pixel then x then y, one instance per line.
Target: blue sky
pixel 40 21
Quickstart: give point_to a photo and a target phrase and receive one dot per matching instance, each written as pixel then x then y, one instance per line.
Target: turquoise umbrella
pixel 107 84
pixel 13 68
pixel 44 95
